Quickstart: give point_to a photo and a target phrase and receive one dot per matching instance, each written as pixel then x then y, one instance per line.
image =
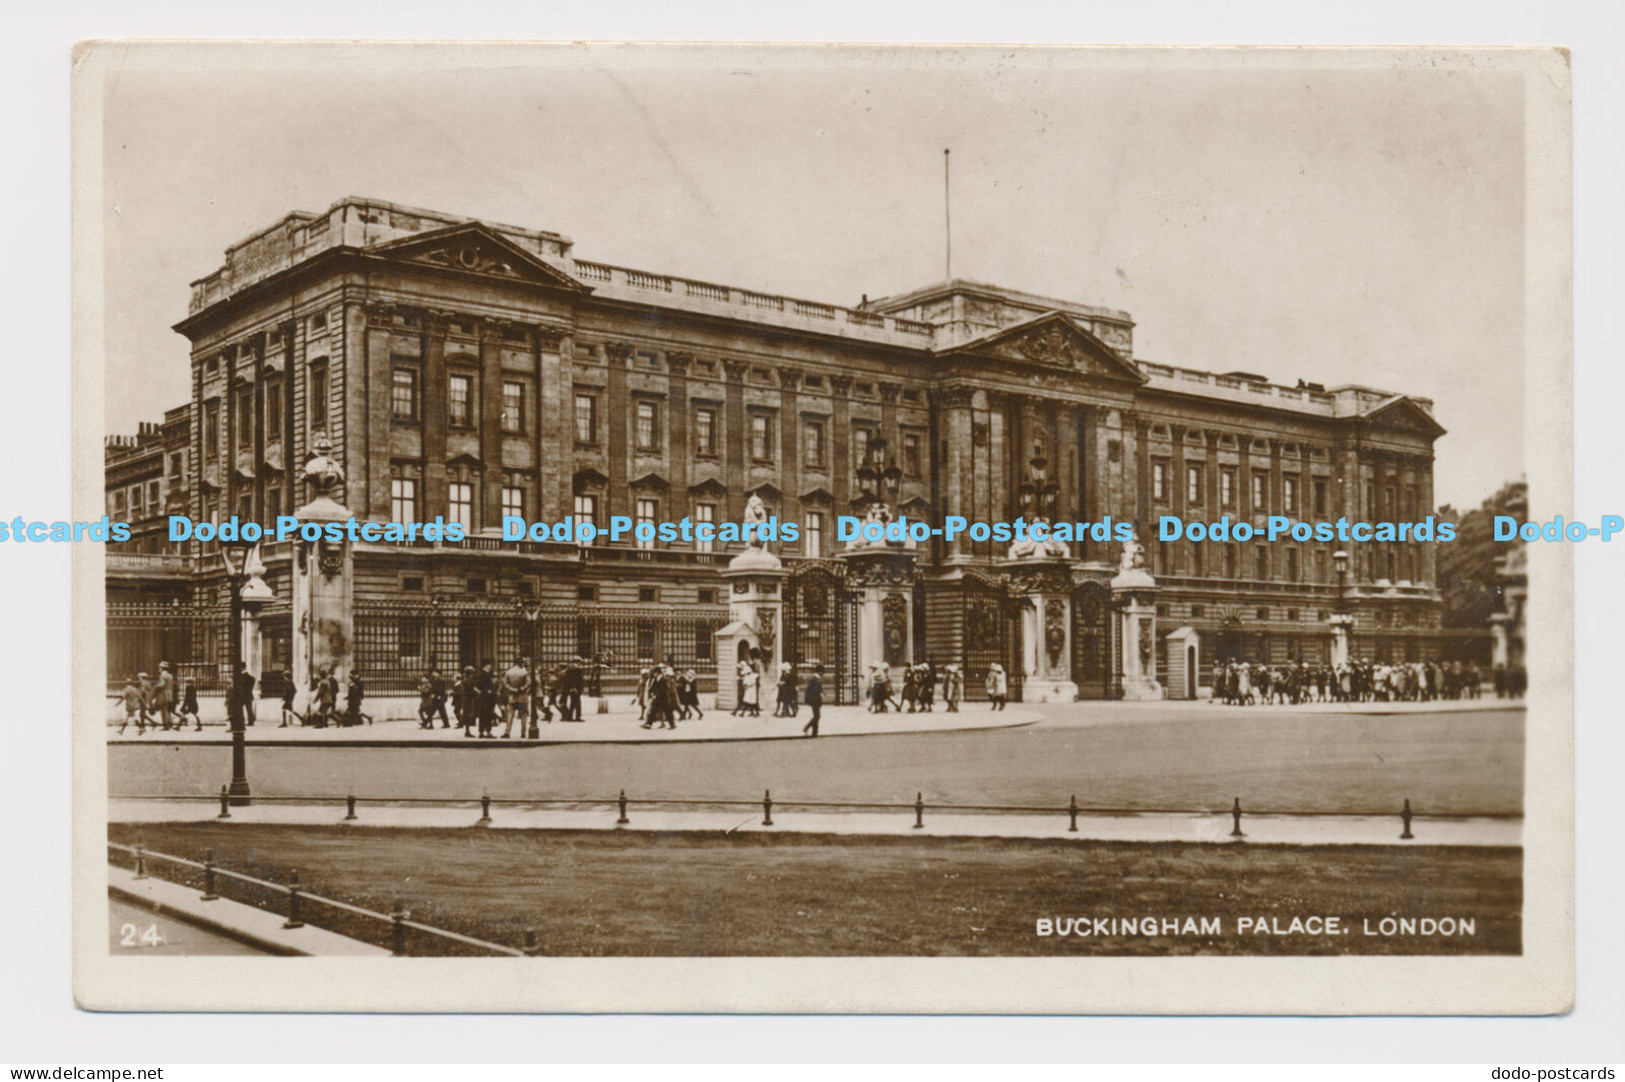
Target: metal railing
pixel 623 804
pixel 298 898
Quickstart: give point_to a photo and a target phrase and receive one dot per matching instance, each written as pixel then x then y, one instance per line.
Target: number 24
pixel 131 936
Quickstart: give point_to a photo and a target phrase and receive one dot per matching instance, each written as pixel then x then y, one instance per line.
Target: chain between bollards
pixel 1235 815
pixel 919 811
pixel 623 820
pixel 1072 813
pixel 767 807
pixel 293 920
pixel 397 917
pixel 208 877
pixel 485 811
pixel 225 806
pixel 349 807
pixel 1406 816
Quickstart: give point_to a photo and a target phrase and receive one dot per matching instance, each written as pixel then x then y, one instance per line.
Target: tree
pixel 1467 565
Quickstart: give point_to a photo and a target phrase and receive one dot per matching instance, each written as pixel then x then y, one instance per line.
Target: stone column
pixel 1044 582
pixel 1134 594
pixel 323 581
pixel 883 577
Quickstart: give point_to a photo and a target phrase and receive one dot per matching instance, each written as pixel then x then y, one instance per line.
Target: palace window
pixel 814 455
pixel 211 428
pixel 705 432
pixel 647 426
pixel 403 499
pixel 460 401
pixel 1292 565
pixel 273 412
pixel 911 454
pixel 460 504
pixel 813 532
pixel 245 418
pixel 761 437
pixel 586 418
pixel 1227 487
pixel 1159 482
pixel 1261 563
pixel 1320 498
pixel 1289 495
pixel 1193 484
pixel 861 436
pixel 648 511
pixel 318 395
pixel 1198 563
pixel 404 395
pixel 704 512
pixel 648 595
pixel 513 501
pixel 273 502
pixel 1261 490
pixel 513 406
pixel 586 512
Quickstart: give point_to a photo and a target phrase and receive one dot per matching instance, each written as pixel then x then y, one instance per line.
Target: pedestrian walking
pixel 688 694
pixel 998 686
pixel 515 696
pixel 353 694
pixel 815 700
pixel 143 684
pixel 132 707
pixel 189 707
pixel 166 695
pixel 953 688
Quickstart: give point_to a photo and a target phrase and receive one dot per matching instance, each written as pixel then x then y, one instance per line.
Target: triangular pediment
pixel 708 487
pixel 1053 340
pixel 765 490
pixel 818 495
pixel 651 481
pixel 1403 412
pixel 588 478
pixel 468 460
pixel 475 248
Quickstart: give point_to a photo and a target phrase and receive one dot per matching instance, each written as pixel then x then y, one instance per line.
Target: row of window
pixel 461 507
pixel 1389 563
pixel 1196 489
pixel 462 403
pixel 135 502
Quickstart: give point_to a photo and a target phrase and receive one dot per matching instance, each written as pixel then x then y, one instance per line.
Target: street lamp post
pixel 1342 620
pixel 243 574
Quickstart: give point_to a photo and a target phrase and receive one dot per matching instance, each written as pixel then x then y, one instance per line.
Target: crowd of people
pixel 525 691
pixel 1244 683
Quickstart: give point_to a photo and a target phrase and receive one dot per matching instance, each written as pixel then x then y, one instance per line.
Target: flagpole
pixel 947 222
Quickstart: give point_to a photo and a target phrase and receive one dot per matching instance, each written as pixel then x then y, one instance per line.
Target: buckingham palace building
pixel 469 370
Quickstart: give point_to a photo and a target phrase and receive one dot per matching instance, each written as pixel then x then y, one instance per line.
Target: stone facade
pixel 464 369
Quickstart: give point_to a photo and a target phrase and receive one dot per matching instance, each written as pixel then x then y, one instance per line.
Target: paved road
pixel 1146 756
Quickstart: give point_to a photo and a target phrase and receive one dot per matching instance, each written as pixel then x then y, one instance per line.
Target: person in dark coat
pixel 486 698
pixel 815 700
pixel 189 706
pixel 570 689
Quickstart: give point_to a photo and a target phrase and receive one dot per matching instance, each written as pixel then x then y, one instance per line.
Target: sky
pixel 1281 215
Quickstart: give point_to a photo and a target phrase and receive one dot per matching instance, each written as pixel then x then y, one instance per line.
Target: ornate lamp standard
pixel 246 588
pixel 1342 620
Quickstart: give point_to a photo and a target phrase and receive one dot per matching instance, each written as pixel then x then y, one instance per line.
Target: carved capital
pixel 618 351
pixel 840 385
pixel 889 392
pixel 380 312
pixel 949 398
pixel 998 400
pixel 736 370
pixel 493 330
pixel 551 338
pixel 790 378
pixel 679 361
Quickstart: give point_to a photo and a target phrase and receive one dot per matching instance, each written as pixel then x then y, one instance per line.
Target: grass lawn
pixel 607 893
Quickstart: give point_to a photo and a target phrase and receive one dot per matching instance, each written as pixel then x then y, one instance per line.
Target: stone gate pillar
pixel 881 575
pixel 755 581
pixel 323 582
pixel 1040 574
pixel 1134 593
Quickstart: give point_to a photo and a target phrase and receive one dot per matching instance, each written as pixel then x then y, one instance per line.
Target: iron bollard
pixel 919 811
pixel 767 807
pixel 293 920
pixel 225 807
pixel 397 918
pixel 1406 816
pixel 349 807
pixel 1235 814
pixel 623 820
pixel 208 877
pixel 485 811
pixel 1072 813
pixel 532 948
pixel 140 860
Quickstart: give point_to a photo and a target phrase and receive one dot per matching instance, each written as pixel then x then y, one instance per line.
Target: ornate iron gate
pixel 1094 661
pixel 992 632
pixel 820 624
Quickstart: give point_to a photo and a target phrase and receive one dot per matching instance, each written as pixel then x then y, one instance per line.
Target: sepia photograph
pixel 822 528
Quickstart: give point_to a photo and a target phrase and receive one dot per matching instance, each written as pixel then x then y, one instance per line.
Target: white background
pixel 38 1022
